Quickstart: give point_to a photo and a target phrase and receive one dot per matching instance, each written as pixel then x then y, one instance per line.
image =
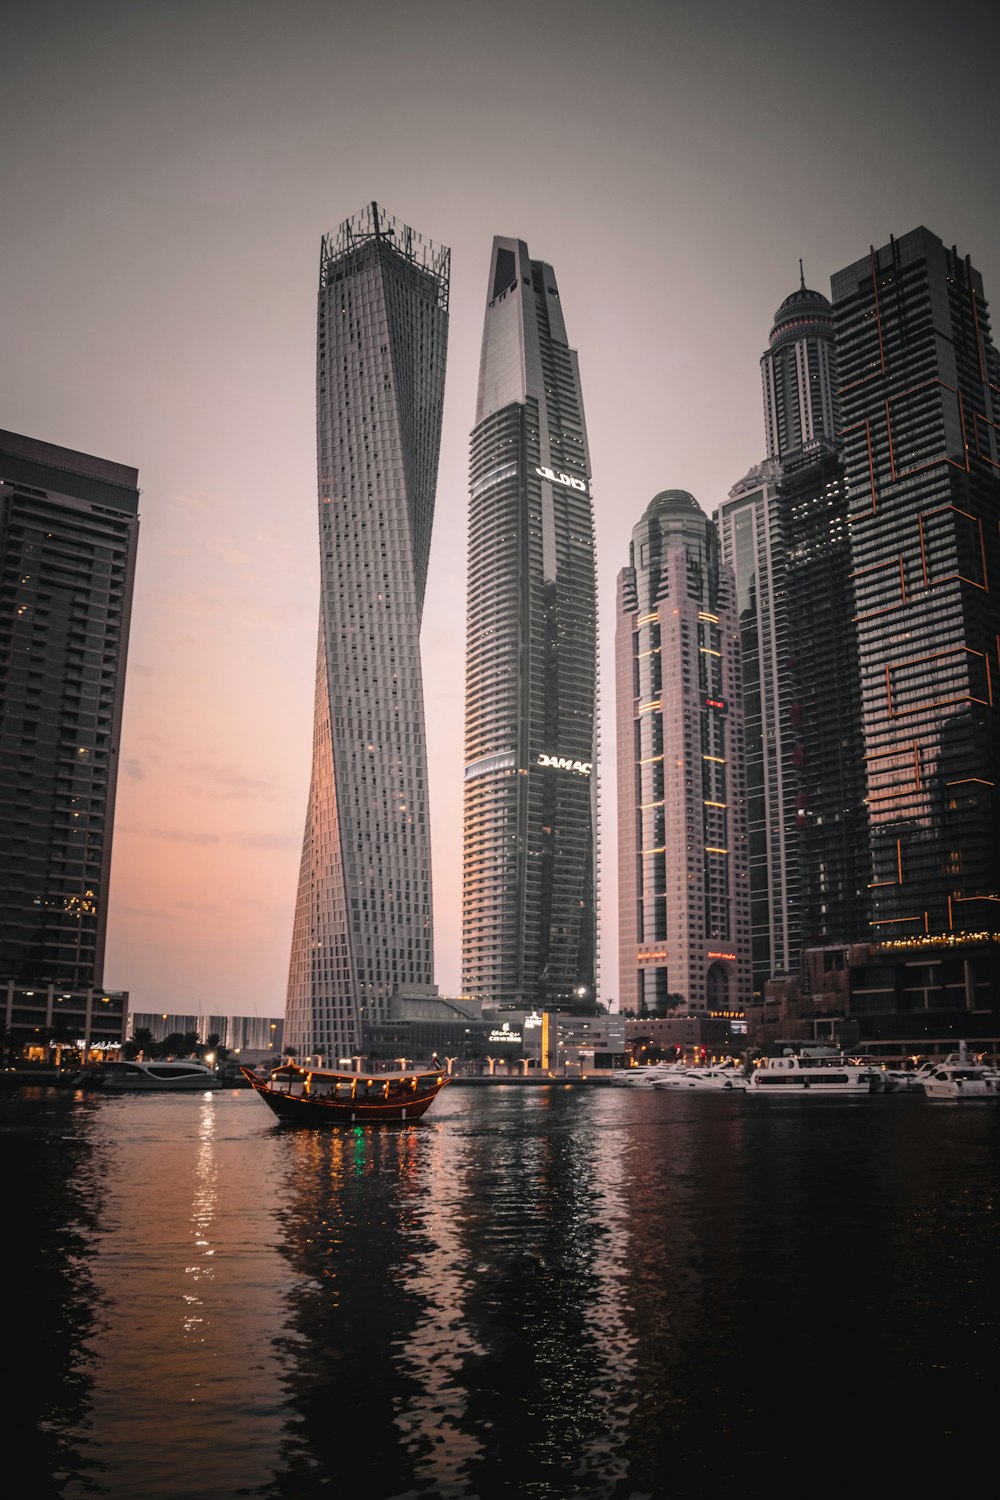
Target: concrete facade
pixel 684 903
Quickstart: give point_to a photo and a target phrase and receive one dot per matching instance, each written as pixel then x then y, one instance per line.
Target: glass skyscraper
pixel 784 531
pixel 684 897
pixel 752 535
pixel 529 929
pixel 919 399
pixel 69 527
pixel 362 939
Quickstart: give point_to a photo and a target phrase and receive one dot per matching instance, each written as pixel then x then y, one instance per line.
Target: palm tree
pixel 142 1041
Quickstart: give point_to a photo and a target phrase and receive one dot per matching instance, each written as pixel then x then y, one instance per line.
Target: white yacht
pixel 154 1076
pixel 713 1079
pixel 818 1071
pixel 646 1075
pixel 958 1076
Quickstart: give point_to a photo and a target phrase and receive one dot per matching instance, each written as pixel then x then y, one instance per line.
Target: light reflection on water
pixel 584 1293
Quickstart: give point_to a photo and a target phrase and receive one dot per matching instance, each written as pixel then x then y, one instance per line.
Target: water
pixel 531 1292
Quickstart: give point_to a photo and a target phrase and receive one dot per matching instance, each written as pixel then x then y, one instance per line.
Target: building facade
pixel 238 1033
pixel 919 399
pixel 529 902
pixel 684 898
pixel 819 688
pixel 68 534
pixel 784 531
pixel 824 702
pixel 752 536
pixel 362 937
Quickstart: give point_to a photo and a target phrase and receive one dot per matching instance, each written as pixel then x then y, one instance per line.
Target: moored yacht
pixel 715 1079
pixel 957 1076
pixel 647 1075
pixel 815 1070
pixel 154 1076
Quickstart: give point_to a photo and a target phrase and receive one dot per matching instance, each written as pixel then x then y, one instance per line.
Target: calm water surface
pixel 573 1292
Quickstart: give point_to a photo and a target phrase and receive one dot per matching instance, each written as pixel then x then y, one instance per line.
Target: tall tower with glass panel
pixel 529 928
pixel 69 525
pixel 684 898
pixel 752 536
pixel 919 398
pixel 362 940
pixel 784 532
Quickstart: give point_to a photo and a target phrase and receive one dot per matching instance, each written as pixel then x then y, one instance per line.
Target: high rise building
pixel 362 938
pixel 784 531
pixel 529 929
pixel 69 527
pixel 919 398
pixel 797 375
pixel 824 705
pixel 752 534
pixel 684 901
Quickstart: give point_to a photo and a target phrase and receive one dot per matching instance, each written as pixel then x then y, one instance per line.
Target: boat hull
pixel 711 1081
pixel 816 1088
pixel 958 1088
pixel 313 1110
pixel 171 1086
pixel 820 1072
pixel 152 1078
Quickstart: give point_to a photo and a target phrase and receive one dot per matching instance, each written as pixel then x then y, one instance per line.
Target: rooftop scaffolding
pixel 374 226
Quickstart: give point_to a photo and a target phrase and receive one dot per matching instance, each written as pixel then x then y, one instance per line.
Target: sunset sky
pixel 166 173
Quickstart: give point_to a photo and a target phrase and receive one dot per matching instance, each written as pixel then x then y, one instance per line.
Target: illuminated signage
pixel 715 703
pixel 720 955
pixel 567 479
pixel 564 763
pixel 504 1034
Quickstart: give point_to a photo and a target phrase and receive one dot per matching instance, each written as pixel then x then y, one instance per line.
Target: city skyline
pixel 161 223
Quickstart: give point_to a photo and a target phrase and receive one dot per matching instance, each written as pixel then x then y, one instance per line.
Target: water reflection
pixel 184 1396
pixel 54 1200
pixel 555 1293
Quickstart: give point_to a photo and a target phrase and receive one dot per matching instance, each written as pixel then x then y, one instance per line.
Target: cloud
pixel 220 779
pixel 236 607
pixel 143 913
pixel 266 840
pixel 133 769
pixel 180 835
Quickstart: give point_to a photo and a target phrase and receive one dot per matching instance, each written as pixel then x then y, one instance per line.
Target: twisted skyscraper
pixel 528 901
pixel 362 938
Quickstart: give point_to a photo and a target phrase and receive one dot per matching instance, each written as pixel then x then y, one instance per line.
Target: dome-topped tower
pixel 683 895
pixel 673 501
pixel 798 376
pixel 673 518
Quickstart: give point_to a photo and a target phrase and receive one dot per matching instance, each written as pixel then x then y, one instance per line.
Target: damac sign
pixel 563 763
pixel 567 479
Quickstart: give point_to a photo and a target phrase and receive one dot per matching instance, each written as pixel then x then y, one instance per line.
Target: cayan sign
pixel 564 763
pixel 566 479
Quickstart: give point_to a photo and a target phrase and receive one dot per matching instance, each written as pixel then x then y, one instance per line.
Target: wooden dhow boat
pixel 319 1096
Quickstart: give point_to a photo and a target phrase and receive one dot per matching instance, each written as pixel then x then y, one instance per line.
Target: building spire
pixel 802 276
